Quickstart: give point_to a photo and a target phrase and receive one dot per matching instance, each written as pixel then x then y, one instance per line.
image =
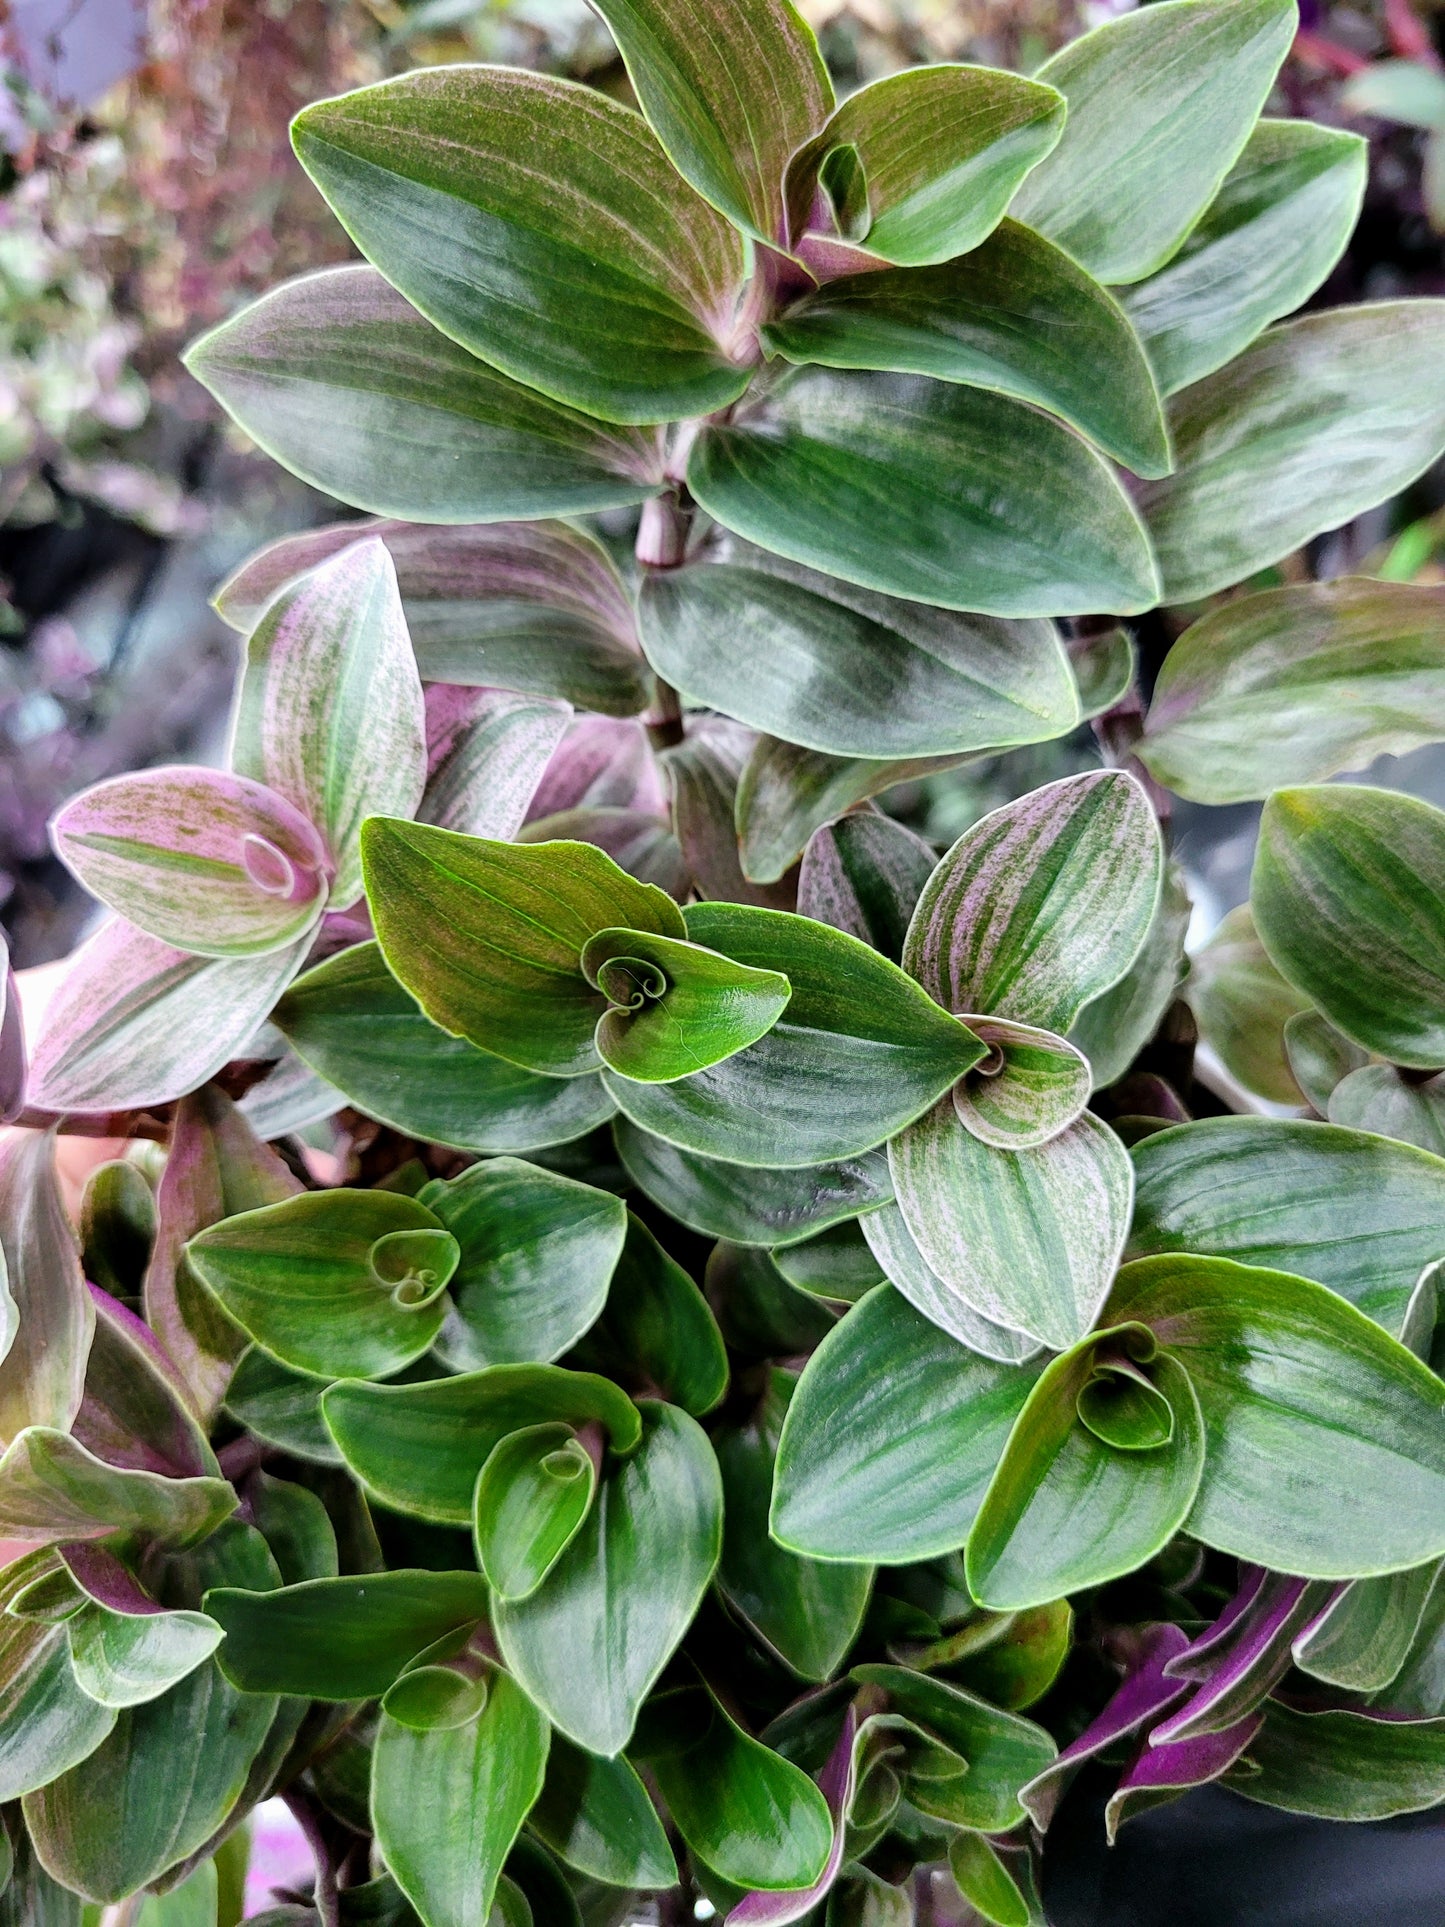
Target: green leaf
pixel 1113 1028
pixel 986 1883
pixel 1268 239
pixel 1029 1238
pixel 1409 91
pixel 1379 1098
pixel 1343 1765
pixel 171 1771
pixel 750 1815
pixel 1354 1212
pixel 836 1265
pixel 1295 684
pixel 730 95
pixel 805 1611
pixel 124 1659
pixel 675 1008
pixel 858 1052
pixel 136 1412
pixel 864 1899
pixel 927 490
pixel 533 1494
pixel 1030 1087
pixel 297 1528
pixel 537 1251
pixel 1323 1447
pixel 1002 1752
pixel 340 1639
pixel 448 1804
pixel 117 1227
pixel 488 936
pixel 46 1314
pixel 419 1448
pixel 1041 905
pixel 282 1407
pixel 1348 894
pixel 329 712
pixel 1243 1005
pixel 1160 104
pixel 352 1022
pixel 1016 316
pixel 656 1332
pixel 1319 1057
pixel 892 1243
pixel 537 223
pixel 864 875
pixel 761 1314
pixel 1086 1492
pixel 337 1283
pixel 589 1644
pixel 1013 1661
pixel 942 150
pixel 1321 419
pixel 811 660
pixel 47 1724
pixel 891 1438
pixel 52 1490
pixel 1364 1636
pixel 343 382
pixel 532 606
pixel 750 1206
pixel 595 1815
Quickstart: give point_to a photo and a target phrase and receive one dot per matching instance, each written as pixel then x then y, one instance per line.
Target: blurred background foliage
pixel 147 189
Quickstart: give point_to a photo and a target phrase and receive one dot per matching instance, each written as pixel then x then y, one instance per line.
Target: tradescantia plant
pixel 780 1360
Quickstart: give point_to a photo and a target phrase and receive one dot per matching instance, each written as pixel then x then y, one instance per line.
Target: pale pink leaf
pixel 487 750
pixel 46 1317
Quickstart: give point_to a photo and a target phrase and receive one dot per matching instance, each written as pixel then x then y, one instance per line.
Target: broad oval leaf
pixel 1324 1451
pixel 731 96
pixel 922 489
pixel 1243 1007
pixel 487 751
pixel 596 1816
pixel 1043 904
pixel 1319 1057
pixel 1321 419
pixel 657 1332
pixel 1343 1764
pixel 858 1052
pixel 891 1438
pixel 216 864
pixel 1122 192
pixel 1268 239
pixel 836 1265
pixel 1354 1212
pixel 941 149
pixel 447 1804
pixel 1030 1087
pixel 675 1008
pixel 1113 1028
pixel 53 1491
pixel 1030 1239
pixel 533 1494
pixel 418 1448
pixel 1016 315
pixel 1295 684
pixel 833 668
pixel 47 1723
pixel 537 223
pixel 1348 894
pixel 1379 1098
pixel 864 875
pixel 344 383
pixel 905 1266
pixel 1364 1636
pixel 126 1659
pixel 337 1283
pixel 47 1317
pixel 589 1644
pixel 488 936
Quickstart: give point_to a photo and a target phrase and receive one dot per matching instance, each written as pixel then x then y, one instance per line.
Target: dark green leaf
pixel 864 875
pixel 656 1332
pixel 1002 1752
pixel 891 1438
pixel 125 1659
pixel 760 1313
pixel 595 1815
pixel 836 1265
pixel 343 382
pixel 281 1407
pixel 675 1008
pixel 1243 1005
pixel 922 489
pixel 533 1494
pixel 1344 1765
pixel 985 1882
pixel 117 1227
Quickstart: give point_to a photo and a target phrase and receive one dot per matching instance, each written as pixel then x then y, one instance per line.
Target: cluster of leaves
pixel 1021 1417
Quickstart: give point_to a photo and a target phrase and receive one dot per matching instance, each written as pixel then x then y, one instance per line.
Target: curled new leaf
pixel 533 1493
pixel 1030 1087
pixel 675 1008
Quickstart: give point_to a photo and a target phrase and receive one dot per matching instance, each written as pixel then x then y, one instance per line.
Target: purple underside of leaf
pixel 603 762
pixel 99 1572
pixel 1186 1763
pixel 836 1782
pixel 1195 1660
pixel 1253 1656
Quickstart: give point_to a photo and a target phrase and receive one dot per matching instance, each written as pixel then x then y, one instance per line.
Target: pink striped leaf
pixel 54 1491
pixel 215 864
pixel 12 1041
pixel 602 763
pixel 329 711
pixel 46 1319
pixel 487 751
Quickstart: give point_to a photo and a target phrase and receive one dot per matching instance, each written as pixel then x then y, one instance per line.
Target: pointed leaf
pixel 1112 1029
pixel 1017 316
pixel 589 1644
pixel 1028 1238
pixel 126 1659
pixel 117 1227
pixel 533 1494
pixel 657 1332
pixel 1324 1453
pixel 1121 191
pixel 47 1724
pixel 340 1639
pixel 337 1283
pixel 942 149
pixel 1363 1637
pixel 221 864
pixel 281 1407
pixel 1243 1006
pixel 137 1410
pixel 488 936
pixel 786 793
pixel 985 1882
pixel 596 1816
pixel 1344 1765
pixel 857 1053
pixel 355 1024
pixel 329 711
pixel 46 1314
pixel 537 223
pixel 1381 1099
pixel 419 1448
pixel 344 383
pixel 891 1438
pixel 1161 1773
pixel 892 1243
pixel 864 875
pixel 487 751
pixel 1043 904
pixel 1348 893
pixel 837 1782
pixel 702 777
pixel 1269 238
pixel 675 1008
pixel 921 489
pixel 537 1251
pixel 1321 419
pixel 1030 1087
pixel 52 1490
pixel 810 660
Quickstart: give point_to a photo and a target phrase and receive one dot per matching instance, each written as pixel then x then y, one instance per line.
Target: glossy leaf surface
pixel 1379 1098
pixel 675 1008
pixel 1114 1027
pixel 656 1332
pixel 52 1490
pixel 126 1659
pixel 1032 1086
pixel 532 1495
pixel 864 875
pixel 893 1245
pixel 595 1815
pixel 1343 1765
pixel 1243 1007
pixel 49 1724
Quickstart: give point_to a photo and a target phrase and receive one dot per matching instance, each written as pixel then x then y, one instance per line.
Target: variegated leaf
pixel 46 1315
pixel 487 751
